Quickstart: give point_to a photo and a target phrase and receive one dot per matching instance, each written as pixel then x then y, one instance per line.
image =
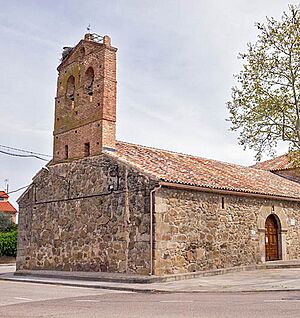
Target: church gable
pixel 88 214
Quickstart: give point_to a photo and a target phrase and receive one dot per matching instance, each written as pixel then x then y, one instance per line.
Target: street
pixel 19 299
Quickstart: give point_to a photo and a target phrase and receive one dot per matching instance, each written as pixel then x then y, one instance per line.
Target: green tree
pixel 265 103
pixel 5 222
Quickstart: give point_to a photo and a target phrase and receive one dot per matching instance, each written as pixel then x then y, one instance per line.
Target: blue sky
pixel 175 66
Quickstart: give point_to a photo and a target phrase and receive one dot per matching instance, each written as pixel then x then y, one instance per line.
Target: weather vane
pixel 88 28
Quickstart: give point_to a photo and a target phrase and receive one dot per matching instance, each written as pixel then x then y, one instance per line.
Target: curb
pixel 69 276
pixel 82 285
pixel 146 290
pixel 150 279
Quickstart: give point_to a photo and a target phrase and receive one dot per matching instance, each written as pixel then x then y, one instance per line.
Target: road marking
pixel 87 300
pixel 176 301
pixel 23 298
pixel 281 300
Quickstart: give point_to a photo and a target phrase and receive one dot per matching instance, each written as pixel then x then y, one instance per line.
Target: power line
pixel 25 151
pixel 18 189
pixel 22 156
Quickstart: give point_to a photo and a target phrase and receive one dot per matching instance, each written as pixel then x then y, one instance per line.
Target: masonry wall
pixel 193 232
pixel 87 215
pixel 291 174
pixel 87 115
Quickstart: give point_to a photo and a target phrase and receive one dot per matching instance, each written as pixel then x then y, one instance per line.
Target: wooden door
pixel 271 239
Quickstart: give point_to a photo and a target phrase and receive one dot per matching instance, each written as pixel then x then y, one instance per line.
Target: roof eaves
pixel 204 186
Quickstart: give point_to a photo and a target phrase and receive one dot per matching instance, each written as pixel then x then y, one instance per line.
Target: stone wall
pixel 87 215
pixel 93 214
pixel 195 231
pixel 291 174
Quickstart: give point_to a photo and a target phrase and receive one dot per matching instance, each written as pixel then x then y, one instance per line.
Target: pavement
pixel 275 278
pixel 23 300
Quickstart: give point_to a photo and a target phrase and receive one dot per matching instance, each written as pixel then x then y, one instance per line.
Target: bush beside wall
pixel 8 243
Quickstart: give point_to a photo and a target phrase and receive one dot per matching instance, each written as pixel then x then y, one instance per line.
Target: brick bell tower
pixel 85 103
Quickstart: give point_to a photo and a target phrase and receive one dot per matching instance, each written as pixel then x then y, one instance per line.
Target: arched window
pixel 70 91
pixel 89 81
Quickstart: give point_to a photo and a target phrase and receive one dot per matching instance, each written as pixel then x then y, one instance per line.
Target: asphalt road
pixel 37 300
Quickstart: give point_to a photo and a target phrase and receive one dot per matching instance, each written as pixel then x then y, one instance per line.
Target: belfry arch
pixel 89 81
pixel 70 89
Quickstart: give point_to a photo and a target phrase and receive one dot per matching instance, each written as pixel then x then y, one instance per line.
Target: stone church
pixel 110 206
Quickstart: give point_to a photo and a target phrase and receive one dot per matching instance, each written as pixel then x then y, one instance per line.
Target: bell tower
pixel 85 103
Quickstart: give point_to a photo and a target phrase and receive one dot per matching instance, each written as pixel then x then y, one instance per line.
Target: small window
pixel 223 203
pixel 89 81
pixel 66 151
pixel 82 52
pixel 86 149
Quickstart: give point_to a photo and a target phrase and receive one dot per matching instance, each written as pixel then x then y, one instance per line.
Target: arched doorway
pixel 272 239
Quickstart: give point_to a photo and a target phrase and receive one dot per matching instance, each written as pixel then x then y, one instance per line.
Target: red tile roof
pixel 5 206
pixel 185 169
pixel 279 163
pixel 3 194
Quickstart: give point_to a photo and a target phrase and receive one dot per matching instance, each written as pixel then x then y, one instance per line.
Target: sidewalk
pixel 274 279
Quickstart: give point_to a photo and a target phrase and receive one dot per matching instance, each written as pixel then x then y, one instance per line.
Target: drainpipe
pixel 152 210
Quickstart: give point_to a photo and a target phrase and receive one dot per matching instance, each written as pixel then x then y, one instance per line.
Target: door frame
pixel 281 219
pixel 278 237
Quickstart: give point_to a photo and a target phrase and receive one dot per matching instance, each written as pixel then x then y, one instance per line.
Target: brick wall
pixel 85 114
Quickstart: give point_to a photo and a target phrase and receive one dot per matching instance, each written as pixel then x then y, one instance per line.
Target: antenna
pixel 6 185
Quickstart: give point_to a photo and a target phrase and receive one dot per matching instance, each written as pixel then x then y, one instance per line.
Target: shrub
pixel 8 243
pixel 5 222
pixel 13 227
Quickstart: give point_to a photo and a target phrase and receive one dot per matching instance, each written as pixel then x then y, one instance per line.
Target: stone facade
pixel 94 214
pixel 195 232
pixel 87 215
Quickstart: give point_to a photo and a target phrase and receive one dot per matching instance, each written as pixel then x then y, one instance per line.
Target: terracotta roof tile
pixel 3 194
pixel 275 164
pixel 5 206
pixel 191 170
